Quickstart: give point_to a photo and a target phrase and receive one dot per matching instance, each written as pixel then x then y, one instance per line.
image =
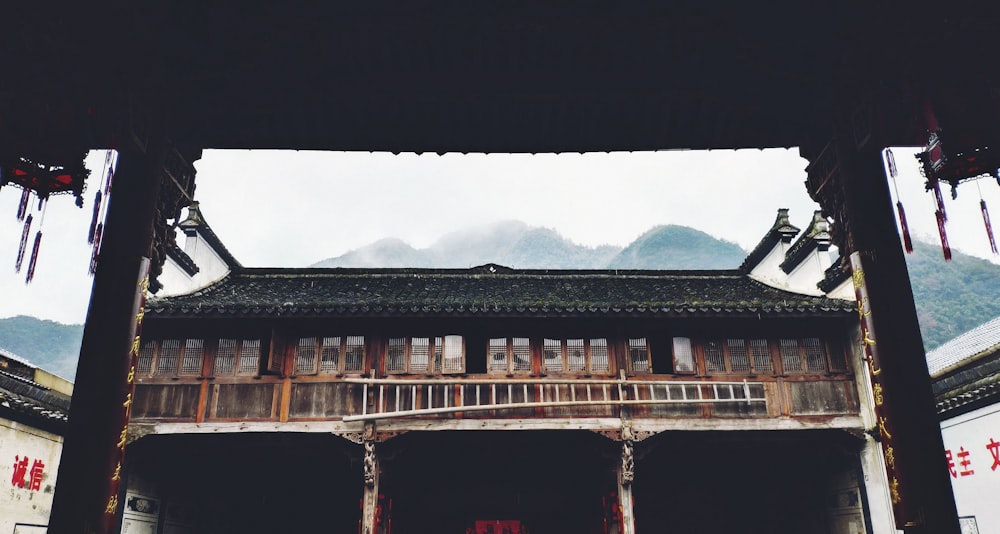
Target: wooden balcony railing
pixel 404 398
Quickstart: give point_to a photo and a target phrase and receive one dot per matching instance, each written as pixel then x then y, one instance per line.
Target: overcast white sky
pixel 293 208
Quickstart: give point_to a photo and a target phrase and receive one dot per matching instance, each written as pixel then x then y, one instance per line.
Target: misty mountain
pixel 510 243
pixel 52 346
pixel 388 252
pixel 951 297
pixel 954 296
pixel 678 247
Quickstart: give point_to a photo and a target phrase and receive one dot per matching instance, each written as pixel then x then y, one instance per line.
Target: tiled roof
pixel 816 236
pixel 489 290
pixel 981 339
pixel 182 260
pixel 29 402
pixel 967 391
pixel 835 275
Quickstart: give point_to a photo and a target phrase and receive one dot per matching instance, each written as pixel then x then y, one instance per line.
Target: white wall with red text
pixel 972 447
pixel 29 461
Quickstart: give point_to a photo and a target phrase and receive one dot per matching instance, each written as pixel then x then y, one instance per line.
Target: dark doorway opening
pixel 553 482
pixel 747 482
pixel 254 483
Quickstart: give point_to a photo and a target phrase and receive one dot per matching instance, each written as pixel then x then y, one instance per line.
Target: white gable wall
pixel 806 275
pixel 768 270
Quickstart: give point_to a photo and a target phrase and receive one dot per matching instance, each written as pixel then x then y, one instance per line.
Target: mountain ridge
pixel 951 297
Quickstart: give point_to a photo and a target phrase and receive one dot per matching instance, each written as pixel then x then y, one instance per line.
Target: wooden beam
pixel 640 425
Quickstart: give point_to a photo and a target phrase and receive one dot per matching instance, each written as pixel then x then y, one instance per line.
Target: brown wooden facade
pixel 802 370
pixel 525 77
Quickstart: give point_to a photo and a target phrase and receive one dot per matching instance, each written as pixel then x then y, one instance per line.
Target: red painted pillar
pixel 85 486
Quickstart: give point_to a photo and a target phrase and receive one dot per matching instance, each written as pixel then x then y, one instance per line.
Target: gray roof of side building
pixel 489 291
pixel 31 403
pixel 966 370
pixel 980 340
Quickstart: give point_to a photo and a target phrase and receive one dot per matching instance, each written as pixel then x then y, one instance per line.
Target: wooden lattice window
pixel 738 356
pixel 330 355
pixel 806 355
pixel 171 357
pixel 509 355
pixel 585 356
pixel 425 355
pixel 638 355
pixel 238 357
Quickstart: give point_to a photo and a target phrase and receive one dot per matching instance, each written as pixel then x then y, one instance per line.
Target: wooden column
pixel 83 484
pixel 371 488
pixel 852 186
pixel 626 474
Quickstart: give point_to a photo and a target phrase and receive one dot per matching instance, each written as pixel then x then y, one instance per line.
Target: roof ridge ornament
pixel 491 268
pixel 783 226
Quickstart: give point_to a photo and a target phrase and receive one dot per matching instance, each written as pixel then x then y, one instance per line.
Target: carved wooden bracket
pixel 137 431
pixel 616 434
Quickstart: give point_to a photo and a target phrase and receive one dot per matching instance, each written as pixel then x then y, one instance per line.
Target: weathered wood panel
pixel 741 408
pixel 570 392
pixel 822 398
pixel 165 401
pixel 243 401
pixel 324 400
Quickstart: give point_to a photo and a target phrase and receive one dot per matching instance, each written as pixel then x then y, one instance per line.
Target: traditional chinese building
pixel 33 408
pixel 839 80
pixel 435 400
pixel 966 373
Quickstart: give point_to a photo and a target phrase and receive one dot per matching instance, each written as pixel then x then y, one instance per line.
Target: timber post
pixel 87 498
pixel 370 501
pixel 848 180
pixel 626 475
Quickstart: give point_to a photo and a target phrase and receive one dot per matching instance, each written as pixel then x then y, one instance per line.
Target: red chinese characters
pixel 23 476
pixel 994 448
pixel 960 462
pixel 20 471
pixel 963 460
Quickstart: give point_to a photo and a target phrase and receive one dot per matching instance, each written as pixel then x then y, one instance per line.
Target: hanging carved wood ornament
pixel 54 176
pixel 954 163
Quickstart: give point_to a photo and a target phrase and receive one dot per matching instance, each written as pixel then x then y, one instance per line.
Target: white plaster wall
pixel 768 270
pixel 843 291
pixel 211 265
pixel 211 268
pixel 976 491
pixel 22 505
pixel 174 280
pixel 806 275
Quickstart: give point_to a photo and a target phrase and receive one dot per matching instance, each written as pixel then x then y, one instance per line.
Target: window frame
pixel 630 363
pixel 435 366
pixel 344 346
pixel 239 356
pixel 509 358
pixel 564 356
pixel 751 358
pixel 177 371
pixel 803 356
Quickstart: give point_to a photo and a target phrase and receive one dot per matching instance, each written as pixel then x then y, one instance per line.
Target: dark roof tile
pixel 404 292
